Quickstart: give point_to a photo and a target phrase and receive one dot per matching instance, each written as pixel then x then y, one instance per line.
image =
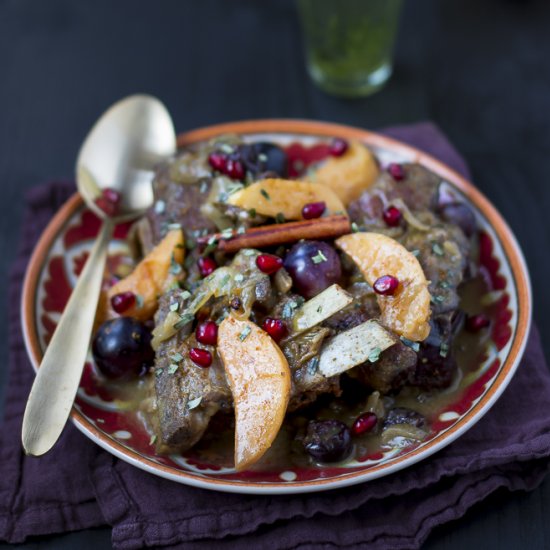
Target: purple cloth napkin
pixel 77 485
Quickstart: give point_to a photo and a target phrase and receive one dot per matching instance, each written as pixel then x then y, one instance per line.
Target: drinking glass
pixel 349 43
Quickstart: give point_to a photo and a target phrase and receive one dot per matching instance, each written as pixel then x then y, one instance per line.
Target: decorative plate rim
pixel 513 256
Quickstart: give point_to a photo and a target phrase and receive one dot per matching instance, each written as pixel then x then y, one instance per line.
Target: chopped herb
pixel 184 294
pixel 444 349
pixel 222 197
pixel 158 372
pixel 262 157
pixel 174 306
pixel 172 368
pixel 226 148
pixel 160 207
pixel 100 421
pixel 212 240
pixel 415 252
pixel 153 439
pixel 252 212
pixel 184 319
pixel 172 226
pixel 354 227
pixel 319 309
pixel 194 403
pixel 444 284
pixel 374 355
pixel 233 187
pixel 244 334
pixel 312 365
pixel 415 346
pixel 437 299
pixel 179 245
pixel 249 252
pixel 227 234
pixel 289 307
pixel 209 248
pixel 239 277
pixel 225 280
pixel 204 187
pixel 176 356
pixel 139 301
pixel 241 230
pixel 175 268
pixel 280 217
pixel 436 249
pixel 319 257
pixel 265 194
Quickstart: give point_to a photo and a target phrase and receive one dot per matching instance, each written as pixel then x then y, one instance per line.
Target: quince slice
pixel 406 312
pixel 259 379
pixel 349 175
pixel 274 196
pixel 152 276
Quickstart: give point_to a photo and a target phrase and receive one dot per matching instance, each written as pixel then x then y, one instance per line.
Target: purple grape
pixel 313 266
pixel 327 440
pixel 122 348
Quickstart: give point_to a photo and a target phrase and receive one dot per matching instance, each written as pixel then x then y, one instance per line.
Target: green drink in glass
pixel 349 43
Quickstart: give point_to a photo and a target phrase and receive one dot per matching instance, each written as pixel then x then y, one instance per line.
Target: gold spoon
pixel 120 153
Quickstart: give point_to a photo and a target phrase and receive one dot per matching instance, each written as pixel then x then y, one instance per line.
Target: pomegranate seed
pixel 218 161
pixel 201 357
pixel 392 216
pixel 123 301
pixel 338 147
pixel 267 263
pixel 386 285
pixel 396 171
pixel 364 423
pixel 112 195
pixel 313 210
pixel 275 328
pixel 108 201
pixel 475 323
pixel 206 266
pixel 207 333
pixel 235 169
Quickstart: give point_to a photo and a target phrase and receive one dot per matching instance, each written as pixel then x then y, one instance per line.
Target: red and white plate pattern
pixel 112 423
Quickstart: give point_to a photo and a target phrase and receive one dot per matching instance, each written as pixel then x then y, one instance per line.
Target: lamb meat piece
pixel 393 370
pixel 180 201
pixel 177 426
pixel 363 308
pixel 418 190
pixel 443 253
pixel 307 382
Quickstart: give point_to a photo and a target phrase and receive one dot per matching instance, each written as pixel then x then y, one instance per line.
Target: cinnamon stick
pixel 282 233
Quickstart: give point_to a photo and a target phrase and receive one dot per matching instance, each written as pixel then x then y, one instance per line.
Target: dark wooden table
pixel 478 68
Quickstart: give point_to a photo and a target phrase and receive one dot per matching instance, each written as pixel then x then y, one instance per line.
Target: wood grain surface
pixel 478 68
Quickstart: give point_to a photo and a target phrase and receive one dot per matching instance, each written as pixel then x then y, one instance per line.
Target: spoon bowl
pixel 119 153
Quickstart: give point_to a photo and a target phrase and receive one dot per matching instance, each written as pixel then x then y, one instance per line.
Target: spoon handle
pixel 55 386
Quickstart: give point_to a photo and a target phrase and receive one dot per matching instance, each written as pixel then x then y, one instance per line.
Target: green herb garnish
pixel 184 319
pixel 280 218
pixel 244 334
pixel 265 194
pixel 312 365
pixel 415 253
pixel 174 306
pixel 319 257
pixel 139 301
pixel 176 356
pixel 354 227
pixel 252 212
pixel 239 277
pixel 160 207
pixel 172 368
pixel 415 346
pixel 444 349
pixel 152 440
pixel 437 250
pixel 175 268
pixel 374 355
